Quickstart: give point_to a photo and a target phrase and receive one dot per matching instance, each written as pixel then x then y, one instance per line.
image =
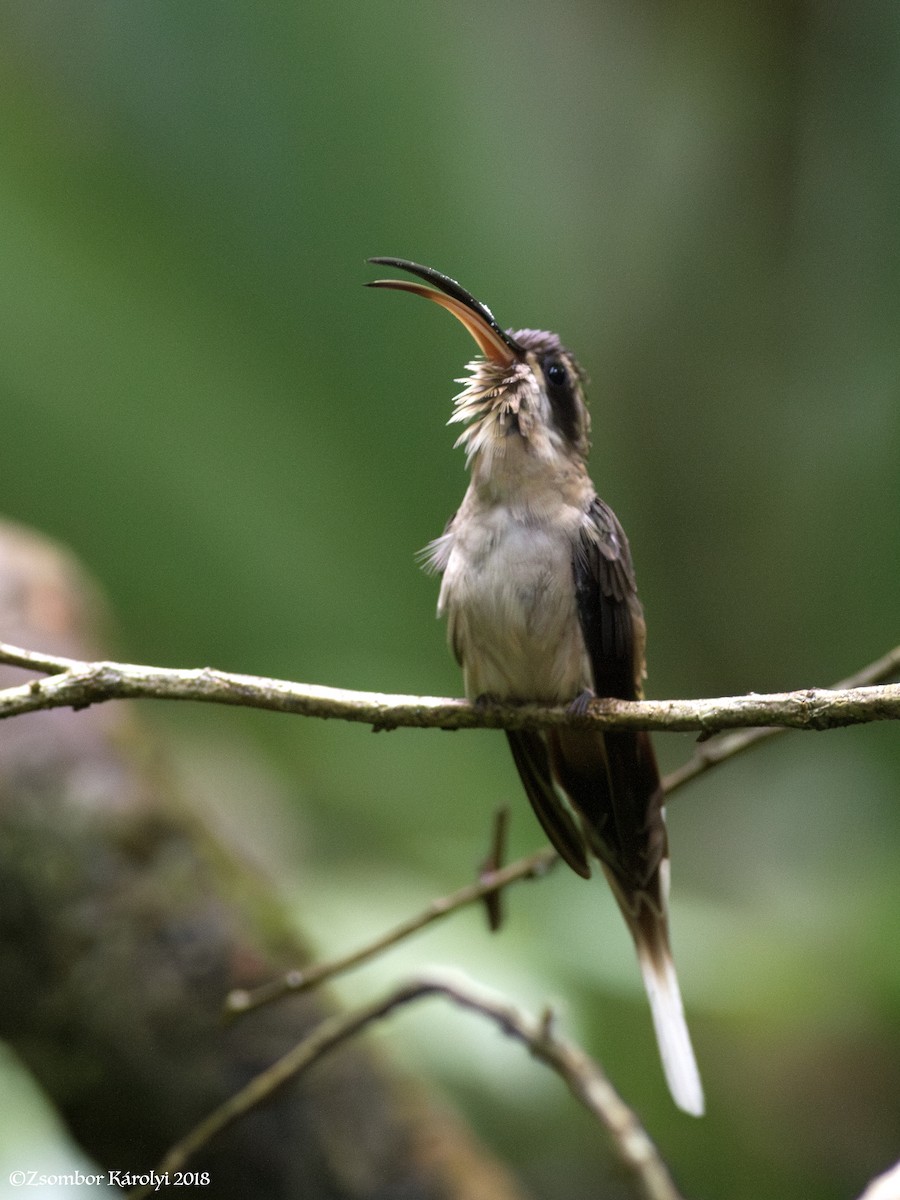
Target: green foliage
pixel 247 447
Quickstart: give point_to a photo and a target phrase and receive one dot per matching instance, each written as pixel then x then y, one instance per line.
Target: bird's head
pixel 526 386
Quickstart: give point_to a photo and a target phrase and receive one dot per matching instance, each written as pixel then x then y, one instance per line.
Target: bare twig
pixel 532 867
pixel 496 856
pixel 77 684
pixel 584 1077
pixel 727 745
pixel 708 755
pixel 74 684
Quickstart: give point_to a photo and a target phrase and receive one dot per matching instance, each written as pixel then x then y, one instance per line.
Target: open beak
pixel 493 342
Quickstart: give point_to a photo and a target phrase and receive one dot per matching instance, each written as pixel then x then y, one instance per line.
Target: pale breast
pixel 509 597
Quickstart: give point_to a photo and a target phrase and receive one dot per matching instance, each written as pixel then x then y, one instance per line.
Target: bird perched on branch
pixel 540 598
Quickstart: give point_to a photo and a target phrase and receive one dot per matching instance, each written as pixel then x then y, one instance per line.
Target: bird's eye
pixel 556 375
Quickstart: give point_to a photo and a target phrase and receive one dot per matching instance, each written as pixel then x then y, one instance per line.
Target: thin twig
pixel 584 1077
pixel 79 683
pixel 75 684
pixel 708 755
pixel 727 745
pixel 496 856
pixel 533 867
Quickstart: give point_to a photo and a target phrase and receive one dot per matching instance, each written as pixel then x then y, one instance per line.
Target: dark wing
pixel 623 810
pixel 529 751
pixel 609 611
pixel 619 794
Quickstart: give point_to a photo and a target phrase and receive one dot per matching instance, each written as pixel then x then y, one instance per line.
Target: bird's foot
pixel 580 706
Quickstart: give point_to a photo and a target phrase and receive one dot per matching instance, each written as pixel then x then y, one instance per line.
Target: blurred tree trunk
pixel 123 925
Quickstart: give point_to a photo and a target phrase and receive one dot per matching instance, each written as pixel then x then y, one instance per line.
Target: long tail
pixel 613 785
pixel 672 1035
pixel 649 928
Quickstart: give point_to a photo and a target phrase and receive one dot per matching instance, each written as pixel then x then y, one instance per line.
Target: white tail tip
pixel 675 1047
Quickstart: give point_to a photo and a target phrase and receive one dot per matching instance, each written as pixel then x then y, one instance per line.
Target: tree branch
pixel 490 883
pixel 584 1077
pixel 726 745
pixel 75 684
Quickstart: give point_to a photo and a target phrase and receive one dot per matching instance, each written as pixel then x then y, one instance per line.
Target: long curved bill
pixel 492 341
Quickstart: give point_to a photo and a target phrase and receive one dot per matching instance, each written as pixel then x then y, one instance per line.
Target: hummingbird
pixel 539 593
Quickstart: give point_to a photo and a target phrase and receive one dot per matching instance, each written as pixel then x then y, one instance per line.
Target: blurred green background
pixel 247 448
